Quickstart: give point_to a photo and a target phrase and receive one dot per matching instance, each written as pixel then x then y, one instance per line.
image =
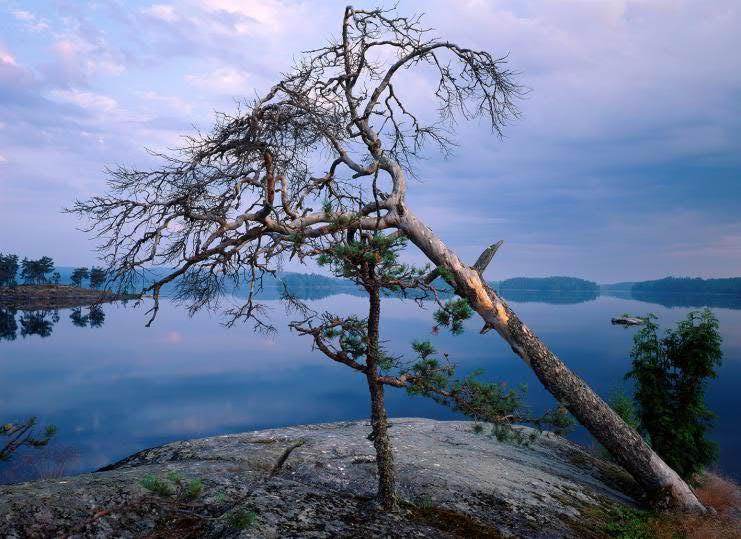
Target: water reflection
pixel 49 462
pixel 8 324
pixel 38 323
pixel 95 317
pixel 554 298
pixel 124 387
pixel 41 322
pixel 724 301
pixel 696 300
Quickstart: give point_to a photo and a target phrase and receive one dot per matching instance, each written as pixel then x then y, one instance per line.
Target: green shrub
pixel 671 373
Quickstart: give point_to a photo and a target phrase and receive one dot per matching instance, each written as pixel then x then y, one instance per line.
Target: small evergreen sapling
pixel 372 262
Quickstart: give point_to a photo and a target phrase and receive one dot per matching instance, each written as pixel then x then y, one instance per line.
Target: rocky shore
pixel 51 296
pixel 318 481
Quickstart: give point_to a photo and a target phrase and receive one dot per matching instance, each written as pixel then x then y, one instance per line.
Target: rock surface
pixel 318 481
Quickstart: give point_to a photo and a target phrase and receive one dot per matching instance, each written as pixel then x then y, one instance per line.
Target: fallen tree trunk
pixel 662 484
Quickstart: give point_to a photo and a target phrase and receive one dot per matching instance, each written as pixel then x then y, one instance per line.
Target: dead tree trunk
pixel 379 420
pixel 662 484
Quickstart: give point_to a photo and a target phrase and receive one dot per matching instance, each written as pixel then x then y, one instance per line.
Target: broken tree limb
pixel 485 258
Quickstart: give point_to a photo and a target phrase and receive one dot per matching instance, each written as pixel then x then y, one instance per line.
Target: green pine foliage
pixel 158 486
pixel 489 402
pixel 446 275
pixel 194 488
pixel 625 408
pixel 375 259
pixel 14 436
pixel 351 259
pixel 453 314
pixel 671 373
pixel 173 485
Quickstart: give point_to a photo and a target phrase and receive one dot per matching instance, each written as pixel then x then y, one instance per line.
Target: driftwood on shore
pixel 628 321
pixel 50 296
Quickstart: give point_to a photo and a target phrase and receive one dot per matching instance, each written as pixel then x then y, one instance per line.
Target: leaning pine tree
pixel 371 261
pixel 234 203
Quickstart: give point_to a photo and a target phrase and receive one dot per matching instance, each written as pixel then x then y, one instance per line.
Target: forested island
pixel 694 285
pixel 39 284
pixel 681 291
pixel 548 284
pixel 35 281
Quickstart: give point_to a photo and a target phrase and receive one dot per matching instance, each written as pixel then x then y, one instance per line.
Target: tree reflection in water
pixel 41 322
pixel 8 324
pixel 38 323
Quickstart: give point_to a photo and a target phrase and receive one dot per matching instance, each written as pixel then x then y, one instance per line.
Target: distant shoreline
pixel 54 296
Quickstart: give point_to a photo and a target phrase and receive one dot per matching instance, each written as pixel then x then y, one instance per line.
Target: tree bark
pixel 382 444
pixel 662 484
pixel 379 421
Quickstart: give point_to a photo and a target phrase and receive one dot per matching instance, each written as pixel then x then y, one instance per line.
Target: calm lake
pixel 113 386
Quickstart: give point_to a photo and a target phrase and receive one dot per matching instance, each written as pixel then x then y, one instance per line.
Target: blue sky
pixel 626 163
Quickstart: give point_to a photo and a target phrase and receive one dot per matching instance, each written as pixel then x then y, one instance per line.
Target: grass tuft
pixel 242 519
pixel 157 485
pixel 424 501
pixel 195 488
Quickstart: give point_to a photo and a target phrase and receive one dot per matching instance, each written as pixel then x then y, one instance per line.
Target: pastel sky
pixel 625 164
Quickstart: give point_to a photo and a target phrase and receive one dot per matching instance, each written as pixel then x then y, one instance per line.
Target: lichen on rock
pixel 319 481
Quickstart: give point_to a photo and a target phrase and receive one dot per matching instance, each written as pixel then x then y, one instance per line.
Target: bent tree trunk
pixel 663 485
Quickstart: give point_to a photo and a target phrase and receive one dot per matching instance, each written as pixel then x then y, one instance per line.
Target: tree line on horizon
pixel 43 271
pixel 729 285
pixel 548 284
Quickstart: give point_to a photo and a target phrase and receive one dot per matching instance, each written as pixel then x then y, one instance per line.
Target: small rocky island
pixel 319 480
pixel 54 296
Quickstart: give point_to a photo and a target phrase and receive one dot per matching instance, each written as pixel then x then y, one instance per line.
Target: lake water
pixel 113 386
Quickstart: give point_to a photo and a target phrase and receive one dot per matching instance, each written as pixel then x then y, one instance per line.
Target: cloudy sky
pixel 626 163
